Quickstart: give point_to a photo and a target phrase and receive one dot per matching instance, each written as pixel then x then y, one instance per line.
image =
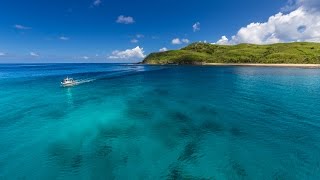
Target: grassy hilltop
pixel 282 53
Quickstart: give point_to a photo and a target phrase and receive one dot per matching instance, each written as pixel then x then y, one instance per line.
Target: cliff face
pixel 198 53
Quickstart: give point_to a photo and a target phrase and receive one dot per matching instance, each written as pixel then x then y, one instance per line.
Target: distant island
pixel 297 53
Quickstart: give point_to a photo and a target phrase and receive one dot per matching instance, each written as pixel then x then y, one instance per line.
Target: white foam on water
pixel 82 81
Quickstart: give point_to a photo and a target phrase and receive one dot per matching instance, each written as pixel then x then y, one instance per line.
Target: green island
pixel 205 53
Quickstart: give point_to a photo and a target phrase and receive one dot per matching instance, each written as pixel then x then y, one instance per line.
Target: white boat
pixel 68 82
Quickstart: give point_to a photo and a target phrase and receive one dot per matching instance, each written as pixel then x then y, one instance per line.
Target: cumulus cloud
pixel 34 54
pixel 177 41
pixel 136 52
pixel 301 24
pixel 223 41
pixel 2 54
pixel 134 41
pixel 164 49
pixel 196 27
pixel 125 20
pixel 97 2
pixel 309 5
pixel 21 27
pixel 63 38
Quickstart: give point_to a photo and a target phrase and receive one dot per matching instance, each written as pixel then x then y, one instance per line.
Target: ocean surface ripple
pixel 127 121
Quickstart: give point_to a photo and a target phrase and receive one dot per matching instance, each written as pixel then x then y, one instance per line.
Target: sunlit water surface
pixel 159 122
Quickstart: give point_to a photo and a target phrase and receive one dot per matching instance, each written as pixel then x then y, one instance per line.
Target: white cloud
pixel 176 41
pixel 34 54
pixel 125 20
pixel 85 57
pixel 196 27
pixel 97 2
pixel 2 54
pixel 21 27
pixel 136 52
pixel 164 49
pixel 185 41
pixel 136 38
pixel 224 40
pixel 205 41
pixel 134 41
pixel 63 38
pixel 310 5
pixel 301 24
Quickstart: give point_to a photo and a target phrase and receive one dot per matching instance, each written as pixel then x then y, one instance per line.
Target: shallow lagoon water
pixel 159 122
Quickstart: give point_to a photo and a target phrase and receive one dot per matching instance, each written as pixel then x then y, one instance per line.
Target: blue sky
pixel 127 30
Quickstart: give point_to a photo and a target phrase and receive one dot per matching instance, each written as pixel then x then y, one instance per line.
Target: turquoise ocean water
pixel 156 122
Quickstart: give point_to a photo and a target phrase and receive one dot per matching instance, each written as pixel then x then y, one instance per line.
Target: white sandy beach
pixel 264 65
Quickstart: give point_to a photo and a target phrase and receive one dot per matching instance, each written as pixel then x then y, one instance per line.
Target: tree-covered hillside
pixel 197 53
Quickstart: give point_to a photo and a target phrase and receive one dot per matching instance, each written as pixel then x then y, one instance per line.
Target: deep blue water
pixel 158 122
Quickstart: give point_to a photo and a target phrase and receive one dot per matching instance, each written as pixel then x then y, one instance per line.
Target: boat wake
pixel 83 81
pixel 116 73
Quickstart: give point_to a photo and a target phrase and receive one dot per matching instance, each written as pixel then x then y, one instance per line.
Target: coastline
pixel 263 65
